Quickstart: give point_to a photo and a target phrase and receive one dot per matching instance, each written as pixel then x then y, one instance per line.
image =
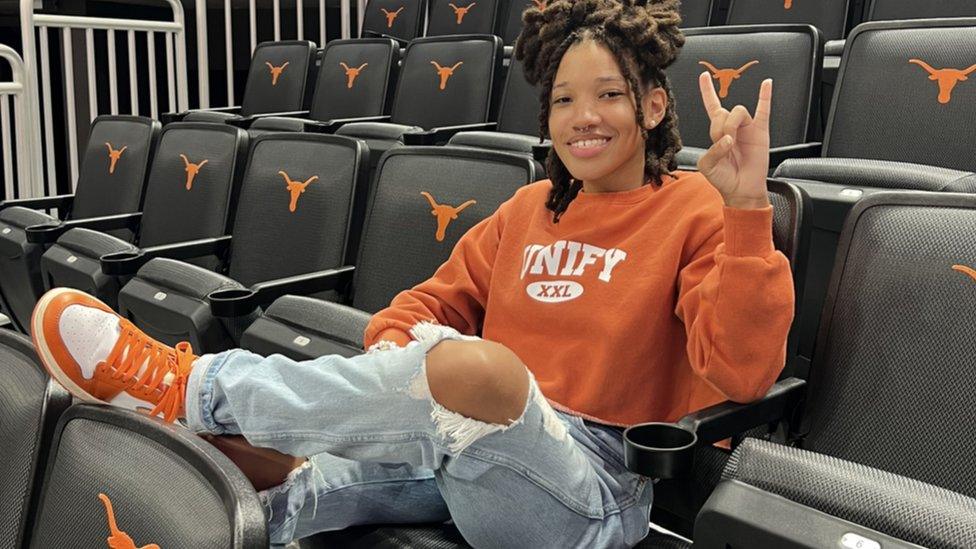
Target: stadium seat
pixel 279 80
pixel 512 22
pixel 406 236
pixel 396 19
pixel 883 449
pixel 463 17
pixel 696 13
pixel 892 10
pixel 119 475
pixel 356 80
pixel 739 59
pixel 298 213
pixel 30 406
pixel 189 196
pixel 830 16
pixel 900 120
pixel 446 85
pixel 111 180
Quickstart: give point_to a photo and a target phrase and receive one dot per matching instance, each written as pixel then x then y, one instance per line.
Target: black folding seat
pixel 104 187
pixel 883 452
pixel 446 85
pixel 188 196
pixel 279 80
pixel 739 59
pixel 830 16
pixel 463 17
pixel 356 80
pixel 294 219
pixel 900 120
pixel 399 19
pixel 122 476
pixel 893 10
pixel 339 330
pixel 408 233
pixel 696 13
pixel 30 405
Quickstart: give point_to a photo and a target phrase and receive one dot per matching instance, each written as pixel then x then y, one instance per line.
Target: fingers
pixel 715 154
pixel 765 104
pixel 737 118
pixel 709 97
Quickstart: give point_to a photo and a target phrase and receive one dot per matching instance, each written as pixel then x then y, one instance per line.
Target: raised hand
pixel 738 161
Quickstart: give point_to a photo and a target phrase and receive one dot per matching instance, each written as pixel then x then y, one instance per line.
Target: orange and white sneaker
pixel 99 356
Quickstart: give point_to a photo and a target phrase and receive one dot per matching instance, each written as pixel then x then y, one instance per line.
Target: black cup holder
pixel 232 302
pixel 659 450
pixel 122 263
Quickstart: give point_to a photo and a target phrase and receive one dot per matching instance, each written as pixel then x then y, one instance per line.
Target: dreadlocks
pixel 644 38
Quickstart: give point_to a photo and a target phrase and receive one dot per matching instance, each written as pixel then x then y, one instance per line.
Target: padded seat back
pixel 916 69
pixel 885 10
pixel 295 213
pixel 402 19
pixel 447 81
pixel 105 187
pixel 739 59
pixel 830 16
pixel 462 17
pixel 695 13
pixel 896 342
pixel 161 485
pixel 512 21
pixel 409 231
pixel 29 408
pixel 356 79
pixel 280 77
pixel 519 112
pixel 191 182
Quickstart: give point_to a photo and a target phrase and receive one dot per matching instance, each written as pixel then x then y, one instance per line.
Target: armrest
pixel 436 136
pixel 128 263
pixel 332 126
pixel 666 450
pixel 246 121
pixel 237 302
pixel 48 234
pixel 60 201
pixel 778 155
pixel 168 117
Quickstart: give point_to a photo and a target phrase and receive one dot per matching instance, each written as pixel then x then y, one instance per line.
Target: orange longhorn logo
pixel 114 156
pixel 118 539
pixel 541 4
pixel 391 16
pixel 276 71
pixel 191 170
pixel 788 4
pixel 296 189
pixel 965 270
pixel 726 76
pixel 444 214
pixel 352 73
pixel 947 78
pixel 461 12
pixel 445 72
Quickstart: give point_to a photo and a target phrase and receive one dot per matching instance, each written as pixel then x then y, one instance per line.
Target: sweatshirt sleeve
pixel 455 296
pixel 736 301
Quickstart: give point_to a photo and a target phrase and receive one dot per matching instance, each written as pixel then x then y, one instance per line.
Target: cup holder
pixel 659 450
pixel 231 302
pixel 121 263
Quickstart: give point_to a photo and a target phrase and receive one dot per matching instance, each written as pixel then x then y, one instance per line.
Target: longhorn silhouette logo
pixel 461 12
pixel 965 270
pixel 118 539
pixel 113 156
pixel 726 76
pixel 391 16
pixel 276 71
pixel 541 4
pixel 351 73
pixel 444 214
pixel 947 78
pixel 788 4
pixel 191 170
pixel 445 72
pixel 296 188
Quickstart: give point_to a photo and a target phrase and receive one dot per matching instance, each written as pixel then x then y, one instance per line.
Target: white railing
pixel 320 38
pixel 175 91
pixel 27 145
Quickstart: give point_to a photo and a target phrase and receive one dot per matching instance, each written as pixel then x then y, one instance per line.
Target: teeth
pixel 590 143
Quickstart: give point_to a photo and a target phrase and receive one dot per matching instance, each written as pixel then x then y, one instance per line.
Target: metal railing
pixel 175 91
pixel 16 91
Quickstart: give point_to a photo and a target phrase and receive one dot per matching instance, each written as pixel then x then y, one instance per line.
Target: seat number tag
pixel 855 541
pixel 159 296
pixel 71 259
pixel 302 341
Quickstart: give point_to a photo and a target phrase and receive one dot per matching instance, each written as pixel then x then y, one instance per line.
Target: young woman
pixel 618 292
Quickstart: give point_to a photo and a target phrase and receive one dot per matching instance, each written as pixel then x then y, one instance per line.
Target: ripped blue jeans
pixel 383 451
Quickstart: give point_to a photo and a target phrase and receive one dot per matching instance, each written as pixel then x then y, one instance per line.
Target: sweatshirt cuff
pixel 749 233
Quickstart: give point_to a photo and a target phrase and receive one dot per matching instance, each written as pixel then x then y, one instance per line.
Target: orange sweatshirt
pixel 637 306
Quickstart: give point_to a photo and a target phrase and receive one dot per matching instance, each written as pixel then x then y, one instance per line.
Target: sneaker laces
pixel 166 368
